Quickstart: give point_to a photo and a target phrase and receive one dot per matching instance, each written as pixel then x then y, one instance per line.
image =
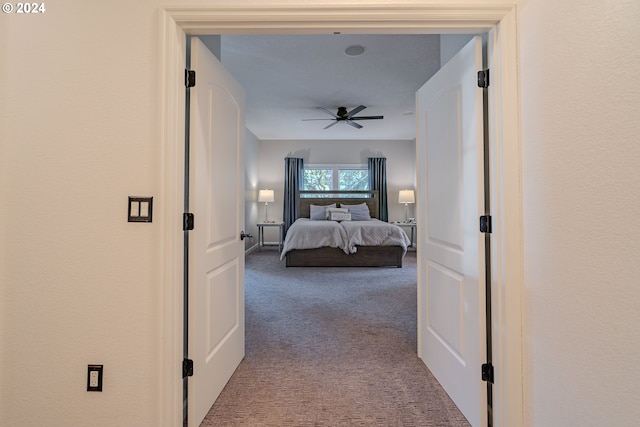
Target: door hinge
pixel 187 221
pixel 483 78
pixel 487 372
pixel 189 78
pixel 485 224
pixel 187 368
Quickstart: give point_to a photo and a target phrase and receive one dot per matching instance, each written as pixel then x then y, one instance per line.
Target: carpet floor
pixel 331 347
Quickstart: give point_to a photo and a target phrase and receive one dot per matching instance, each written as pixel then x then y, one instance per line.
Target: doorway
pixel 504 149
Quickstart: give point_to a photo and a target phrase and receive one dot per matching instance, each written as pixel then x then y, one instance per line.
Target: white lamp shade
pixel 406 196
pixel 266 196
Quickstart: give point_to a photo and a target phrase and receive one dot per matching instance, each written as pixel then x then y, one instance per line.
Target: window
pixel 353 179
pixel 320 179
pixel 336 177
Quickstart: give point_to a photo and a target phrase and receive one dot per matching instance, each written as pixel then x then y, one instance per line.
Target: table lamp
pixel 406 197
pixel 266 197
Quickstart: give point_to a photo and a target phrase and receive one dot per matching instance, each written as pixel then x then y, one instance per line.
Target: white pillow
pixel 320 213
pixel 358 212
pixel 338 214
pixel 343 210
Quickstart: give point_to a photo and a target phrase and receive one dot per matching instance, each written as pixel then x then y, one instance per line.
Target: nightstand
pixel 262 225
pixel 412 227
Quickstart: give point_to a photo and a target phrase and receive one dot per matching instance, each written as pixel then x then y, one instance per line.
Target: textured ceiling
pixel 287 77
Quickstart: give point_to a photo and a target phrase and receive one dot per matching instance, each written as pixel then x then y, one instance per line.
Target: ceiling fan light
pixel 354 50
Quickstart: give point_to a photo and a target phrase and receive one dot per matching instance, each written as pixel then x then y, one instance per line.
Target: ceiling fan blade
pixel 343 116
pixel 355 111
pixel 367 118
pixel 328 112
pixel 354 124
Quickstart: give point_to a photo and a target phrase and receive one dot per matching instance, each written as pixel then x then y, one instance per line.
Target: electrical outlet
pixel 94 377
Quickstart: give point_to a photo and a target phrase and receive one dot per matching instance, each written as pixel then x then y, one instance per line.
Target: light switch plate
pixel 140 209
pixel 94 377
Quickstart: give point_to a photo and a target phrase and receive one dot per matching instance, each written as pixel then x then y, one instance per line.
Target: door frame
pixel 507 251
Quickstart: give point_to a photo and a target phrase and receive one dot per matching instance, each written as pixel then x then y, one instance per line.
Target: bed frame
pixel 366 256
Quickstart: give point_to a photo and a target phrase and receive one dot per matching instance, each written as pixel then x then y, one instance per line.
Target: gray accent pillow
pixel 320 213
pixel 358 212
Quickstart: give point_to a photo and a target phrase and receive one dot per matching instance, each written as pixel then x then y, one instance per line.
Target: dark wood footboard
pixel 366 256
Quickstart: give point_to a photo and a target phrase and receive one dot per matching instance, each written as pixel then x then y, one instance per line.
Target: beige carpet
pixel 331 347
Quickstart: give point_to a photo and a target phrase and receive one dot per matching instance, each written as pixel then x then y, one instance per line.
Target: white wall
pixel 79 284
pixel 212 42
pixel 80 132
pixel 580 127
pixel 401 168
pixel 450 44
pixel 251 159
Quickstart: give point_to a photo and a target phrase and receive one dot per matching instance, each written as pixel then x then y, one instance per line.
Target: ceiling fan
pixel 347 116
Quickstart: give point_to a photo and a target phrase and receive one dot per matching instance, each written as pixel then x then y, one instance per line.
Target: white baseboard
pixel 251 249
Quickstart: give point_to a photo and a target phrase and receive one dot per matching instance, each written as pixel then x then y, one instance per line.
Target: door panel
pixel 445 307
pixel 451 293
pixel 216 263
pixel 444 169
pixel 222 306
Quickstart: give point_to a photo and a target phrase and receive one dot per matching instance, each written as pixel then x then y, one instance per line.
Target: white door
pixel 216 260
pixel 451 322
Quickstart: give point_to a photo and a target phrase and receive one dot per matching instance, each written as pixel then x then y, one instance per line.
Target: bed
pixel 360 242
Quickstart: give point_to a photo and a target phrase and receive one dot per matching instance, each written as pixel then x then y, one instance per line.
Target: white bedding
pixel 346 235
pixel 305 233
pixel 374 233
